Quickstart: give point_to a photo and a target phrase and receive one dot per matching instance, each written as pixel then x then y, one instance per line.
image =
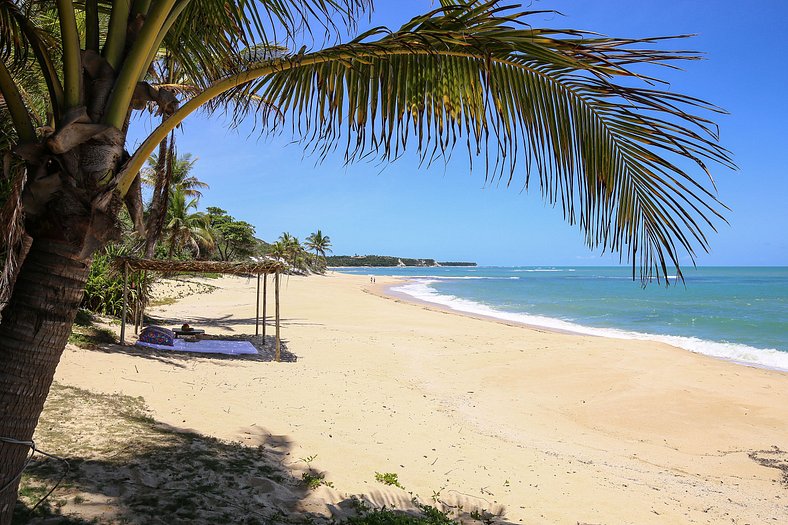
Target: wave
pixel 434 278
pixel 739 353
pixel 546 270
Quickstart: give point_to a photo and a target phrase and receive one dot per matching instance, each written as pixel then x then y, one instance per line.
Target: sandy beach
pixel 549 427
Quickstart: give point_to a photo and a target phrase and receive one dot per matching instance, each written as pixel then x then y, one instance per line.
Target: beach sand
pixel 555 428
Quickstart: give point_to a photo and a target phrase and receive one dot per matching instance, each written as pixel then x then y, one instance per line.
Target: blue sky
pixel 447 213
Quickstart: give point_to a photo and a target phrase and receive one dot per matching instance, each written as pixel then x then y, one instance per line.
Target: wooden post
pixel 257 309
pixel 143 298
pixel 137 313
pixel 123 310
pixel 276 295
pixel 265 302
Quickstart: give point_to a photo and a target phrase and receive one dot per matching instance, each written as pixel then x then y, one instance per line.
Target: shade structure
pixel 258 268
pixel 268 266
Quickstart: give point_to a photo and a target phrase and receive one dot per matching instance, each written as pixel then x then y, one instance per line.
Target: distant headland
pixel 387 260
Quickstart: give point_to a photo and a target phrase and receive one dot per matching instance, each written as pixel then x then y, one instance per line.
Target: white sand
pixel 556 428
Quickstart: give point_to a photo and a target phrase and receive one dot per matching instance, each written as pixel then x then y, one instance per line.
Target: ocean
pixel 739 314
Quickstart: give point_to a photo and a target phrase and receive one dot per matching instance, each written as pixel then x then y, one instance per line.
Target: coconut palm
pixel 181 179
pixel 577 111
pixel 293 251
pixel 319 243
pixel 278 250
pixel 186 228
pixel 166 179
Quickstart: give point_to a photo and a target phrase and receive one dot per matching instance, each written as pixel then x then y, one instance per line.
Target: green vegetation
pixel 188 234
pixel 85 334
pixel 426 515
pixel 386 260
pixel 104 287
pixel 388 478
pixel 455 263
pixel 376 260
pixel 233 240
pixel 312 478
pixel 290 250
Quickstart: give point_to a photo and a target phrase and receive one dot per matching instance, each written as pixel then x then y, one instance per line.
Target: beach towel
pixel 206 346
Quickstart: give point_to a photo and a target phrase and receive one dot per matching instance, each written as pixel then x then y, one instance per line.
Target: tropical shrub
pixel 104 288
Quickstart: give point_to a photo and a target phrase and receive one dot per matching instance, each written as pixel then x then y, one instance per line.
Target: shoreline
pixel 556 428
pixel 386 291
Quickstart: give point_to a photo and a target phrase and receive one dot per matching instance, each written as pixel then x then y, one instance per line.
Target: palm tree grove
pixel 581 118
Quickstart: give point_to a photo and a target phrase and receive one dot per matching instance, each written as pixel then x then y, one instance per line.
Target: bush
pixel 104 288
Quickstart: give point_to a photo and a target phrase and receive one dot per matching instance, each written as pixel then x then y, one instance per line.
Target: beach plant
pixel 580 115
pixel 388 478
pixel 104 286
pixel 425 515
pixel 314 480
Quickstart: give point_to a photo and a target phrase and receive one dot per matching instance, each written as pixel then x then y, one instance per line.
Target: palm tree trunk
pixel 161 193
pixel 33 333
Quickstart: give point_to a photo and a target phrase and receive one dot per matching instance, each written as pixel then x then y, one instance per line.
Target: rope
pixel 33 450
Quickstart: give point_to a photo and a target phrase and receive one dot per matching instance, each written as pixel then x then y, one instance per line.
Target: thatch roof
pixel 170 266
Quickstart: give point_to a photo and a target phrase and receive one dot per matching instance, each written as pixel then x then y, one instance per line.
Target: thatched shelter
pixel 258 268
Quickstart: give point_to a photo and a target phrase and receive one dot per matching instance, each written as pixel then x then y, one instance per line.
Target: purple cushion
pixel 157 335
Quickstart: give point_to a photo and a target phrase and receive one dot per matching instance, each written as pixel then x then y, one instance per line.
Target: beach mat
pixel 206 346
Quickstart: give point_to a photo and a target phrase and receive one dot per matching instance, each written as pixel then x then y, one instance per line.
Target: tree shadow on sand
pixel 125 467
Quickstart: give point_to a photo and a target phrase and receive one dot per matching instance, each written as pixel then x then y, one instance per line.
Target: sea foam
pixel 420 289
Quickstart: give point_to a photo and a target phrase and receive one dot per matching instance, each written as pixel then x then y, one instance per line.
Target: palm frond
pixel 28 48
pixel 210 38
pixel 607 145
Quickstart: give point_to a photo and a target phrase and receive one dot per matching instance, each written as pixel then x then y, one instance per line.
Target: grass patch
pixel 85 334
pixel 90 336
pixel 163 301
pixel 83 318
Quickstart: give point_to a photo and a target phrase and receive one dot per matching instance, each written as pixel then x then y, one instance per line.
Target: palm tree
pixel 278 250
pixel 577 110
pixel 181 179
pixel 176 178
pixel 187 229
pixel 293 251
pixel 319 243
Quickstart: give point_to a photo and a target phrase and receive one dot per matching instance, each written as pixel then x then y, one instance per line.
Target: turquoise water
pixel 734 313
